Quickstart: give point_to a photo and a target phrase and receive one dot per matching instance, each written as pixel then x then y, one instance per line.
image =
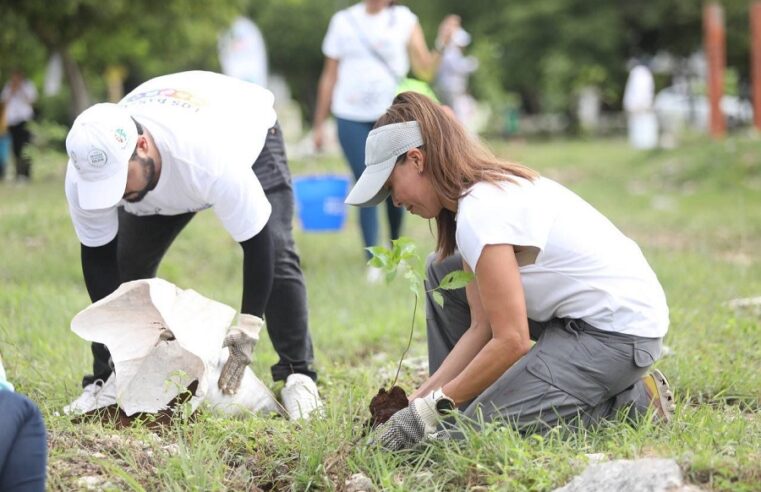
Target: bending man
pixel 140 170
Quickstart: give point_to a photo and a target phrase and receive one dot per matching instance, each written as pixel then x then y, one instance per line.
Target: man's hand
pixel 410 425
pixel 240 340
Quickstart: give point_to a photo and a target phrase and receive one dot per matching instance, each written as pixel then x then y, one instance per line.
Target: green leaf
pixel 375 262
pixel 382 258
pixel 438 297
pixel 379 250
pixel 456 280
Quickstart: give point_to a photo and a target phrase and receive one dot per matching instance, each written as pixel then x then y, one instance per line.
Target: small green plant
pixel 402 258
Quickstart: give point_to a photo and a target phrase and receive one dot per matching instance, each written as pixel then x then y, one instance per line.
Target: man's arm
pixel 258 272
pixel 100 269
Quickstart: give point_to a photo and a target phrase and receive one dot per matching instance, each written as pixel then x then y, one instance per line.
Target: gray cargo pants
pixel 574 373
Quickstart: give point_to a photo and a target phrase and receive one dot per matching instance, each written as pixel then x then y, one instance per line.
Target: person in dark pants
pixel 369 47
pixel 176 145
pixel 23 442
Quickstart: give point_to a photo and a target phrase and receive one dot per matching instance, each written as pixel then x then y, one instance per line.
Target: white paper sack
pixel 252 396
pixel 151 371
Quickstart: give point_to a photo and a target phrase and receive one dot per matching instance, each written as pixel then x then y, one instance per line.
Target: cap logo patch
pixel 121 136
pixel 97 158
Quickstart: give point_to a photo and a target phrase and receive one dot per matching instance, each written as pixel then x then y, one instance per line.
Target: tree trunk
pixel 80 96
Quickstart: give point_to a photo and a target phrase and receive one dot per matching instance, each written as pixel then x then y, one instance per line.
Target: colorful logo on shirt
pixel 97 158
pixel 172 97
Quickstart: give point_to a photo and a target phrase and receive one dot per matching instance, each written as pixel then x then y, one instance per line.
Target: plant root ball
pixel 385 404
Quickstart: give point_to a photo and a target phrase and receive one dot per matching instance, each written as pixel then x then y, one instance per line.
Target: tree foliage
pixel 543 50
pixel 147 36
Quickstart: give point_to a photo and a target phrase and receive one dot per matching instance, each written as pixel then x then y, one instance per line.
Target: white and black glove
pixel 240 340
pixel 409 426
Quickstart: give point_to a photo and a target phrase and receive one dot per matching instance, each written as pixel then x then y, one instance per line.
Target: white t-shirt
pixel 364 87
pixel 640 90
pixel 209 129
pixel 585 269
pixel 18 103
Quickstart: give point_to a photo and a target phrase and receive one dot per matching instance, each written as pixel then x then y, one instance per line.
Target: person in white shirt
pixel 19 94
pixel 639 96
pixel 548 267
pixel 369 48
pixel 452 77
pixel 140 170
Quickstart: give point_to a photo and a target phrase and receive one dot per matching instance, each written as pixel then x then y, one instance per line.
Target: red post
pixel 714 38
pixel 755 61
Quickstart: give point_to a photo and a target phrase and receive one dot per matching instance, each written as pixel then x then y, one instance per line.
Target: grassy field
pixel 695 211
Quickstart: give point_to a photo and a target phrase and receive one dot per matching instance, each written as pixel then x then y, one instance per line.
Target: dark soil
pixel 385 404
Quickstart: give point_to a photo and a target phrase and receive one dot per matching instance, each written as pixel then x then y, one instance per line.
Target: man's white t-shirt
pixel 585 269
pixel 209 129
pixel 364 87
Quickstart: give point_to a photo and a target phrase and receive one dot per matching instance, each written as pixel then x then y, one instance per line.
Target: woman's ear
pixel 417 158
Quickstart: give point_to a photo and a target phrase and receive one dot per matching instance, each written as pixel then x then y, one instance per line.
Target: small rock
pixel 171 449
pixel 90 482
pixel 358 483
pixel 645 475
pixel 751 304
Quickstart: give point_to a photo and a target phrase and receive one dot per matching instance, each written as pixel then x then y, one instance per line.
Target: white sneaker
pixel 95 395
pixel 300 396
pixel 373 275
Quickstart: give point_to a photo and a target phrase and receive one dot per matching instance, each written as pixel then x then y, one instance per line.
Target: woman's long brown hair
pixel 455 161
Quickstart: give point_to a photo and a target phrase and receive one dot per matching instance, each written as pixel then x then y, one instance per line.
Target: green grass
pixel 695 211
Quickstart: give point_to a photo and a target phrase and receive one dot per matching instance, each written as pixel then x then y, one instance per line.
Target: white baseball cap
pixel 100 144
pixel 383 147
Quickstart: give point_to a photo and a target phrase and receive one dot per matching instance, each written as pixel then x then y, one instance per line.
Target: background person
pixel 452 78
pixel 5 142
pixel 138 173
pixel 18 95
pixel 639 96
pixel 23 441
pixel 368 49
pixel 548 267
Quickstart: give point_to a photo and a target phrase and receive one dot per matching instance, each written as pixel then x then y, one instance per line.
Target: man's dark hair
pixel 139 132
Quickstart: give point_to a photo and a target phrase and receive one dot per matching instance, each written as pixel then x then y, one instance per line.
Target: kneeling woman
pixel 548 267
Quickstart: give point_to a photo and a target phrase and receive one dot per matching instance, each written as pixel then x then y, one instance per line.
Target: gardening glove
pixel 240 340
pixel 410 425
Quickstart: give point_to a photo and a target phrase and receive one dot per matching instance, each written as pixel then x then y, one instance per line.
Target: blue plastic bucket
pixel 320 201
